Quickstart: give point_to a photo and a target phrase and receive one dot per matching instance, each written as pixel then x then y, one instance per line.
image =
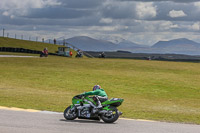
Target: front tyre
pixel 110 117
pixel 70 114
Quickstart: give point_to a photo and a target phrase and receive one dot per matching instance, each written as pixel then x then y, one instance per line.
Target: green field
pixel 154 90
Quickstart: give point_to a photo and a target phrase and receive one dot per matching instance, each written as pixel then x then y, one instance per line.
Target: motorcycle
pixel 44 54
pixel 83 107
pixel 102 55
pixel 79 55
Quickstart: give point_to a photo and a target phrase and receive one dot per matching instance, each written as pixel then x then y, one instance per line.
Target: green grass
pixel 164 91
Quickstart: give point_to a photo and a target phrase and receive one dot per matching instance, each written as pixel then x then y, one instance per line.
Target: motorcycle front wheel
pixel 70 114
pixel 110 117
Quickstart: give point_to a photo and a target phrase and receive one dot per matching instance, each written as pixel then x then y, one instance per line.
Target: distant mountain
pixel 177 46
pixel 182 42
pixel 113 39
pixel 89 44
pixel 123 43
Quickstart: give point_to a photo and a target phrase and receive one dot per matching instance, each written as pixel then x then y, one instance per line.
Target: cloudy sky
pixel 140 21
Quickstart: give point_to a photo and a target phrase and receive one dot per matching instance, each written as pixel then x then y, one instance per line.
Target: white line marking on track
pixel 19 109
pixel 137 119
pixel 50 112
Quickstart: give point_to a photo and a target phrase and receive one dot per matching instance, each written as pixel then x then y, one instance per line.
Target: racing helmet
pixel 96 87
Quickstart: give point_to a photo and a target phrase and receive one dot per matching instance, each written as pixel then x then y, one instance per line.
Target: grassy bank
pixel 165 91
pixel 16 43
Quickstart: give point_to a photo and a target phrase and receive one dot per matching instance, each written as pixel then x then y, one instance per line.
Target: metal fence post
pixel 3 32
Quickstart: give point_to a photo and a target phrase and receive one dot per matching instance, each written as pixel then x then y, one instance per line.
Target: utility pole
pixel 3 32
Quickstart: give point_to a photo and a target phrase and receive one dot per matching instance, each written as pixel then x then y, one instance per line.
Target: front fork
pixel 78 111
pixel 72 106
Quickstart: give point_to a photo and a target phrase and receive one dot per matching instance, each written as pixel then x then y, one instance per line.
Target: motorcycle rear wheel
pixel 70 114
pixel 111 117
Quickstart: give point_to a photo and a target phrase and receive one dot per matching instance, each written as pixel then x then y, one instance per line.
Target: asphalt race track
pixel 12 121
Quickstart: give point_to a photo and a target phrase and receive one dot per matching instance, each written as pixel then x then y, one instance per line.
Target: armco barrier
pixel 22 50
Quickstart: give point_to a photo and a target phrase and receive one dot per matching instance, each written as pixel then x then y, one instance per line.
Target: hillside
pixel 10 42
pixel 177 46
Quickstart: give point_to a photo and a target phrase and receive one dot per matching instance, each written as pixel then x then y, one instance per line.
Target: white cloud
pixel 196 26
pixel 166 25
pixel 102 28
pixel 5 13
pixel 146 10
pixel 106 20
pixel 175 14
pixel 51 3
pixel 197 4
pixel 12 16
pixel 12 8
pixel 116 28
pixel 18 4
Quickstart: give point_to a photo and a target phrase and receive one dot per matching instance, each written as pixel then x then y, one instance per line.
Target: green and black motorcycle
pixel 83 107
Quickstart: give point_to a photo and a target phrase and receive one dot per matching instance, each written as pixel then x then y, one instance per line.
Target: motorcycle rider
pixel 99 93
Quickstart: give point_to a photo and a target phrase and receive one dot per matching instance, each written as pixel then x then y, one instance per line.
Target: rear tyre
pixel 110 117
pixel 70 114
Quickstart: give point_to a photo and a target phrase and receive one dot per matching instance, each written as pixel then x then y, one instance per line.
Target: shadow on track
pixel 85 121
